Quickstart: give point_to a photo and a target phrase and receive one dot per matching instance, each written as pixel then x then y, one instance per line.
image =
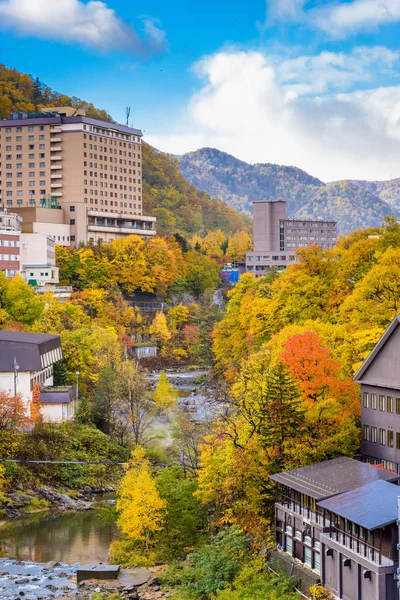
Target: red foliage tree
pixel 12 411
pixel 36 413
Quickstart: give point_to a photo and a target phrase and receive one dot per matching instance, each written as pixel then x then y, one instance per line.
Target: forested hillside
pixel 351 204
pixel 178 206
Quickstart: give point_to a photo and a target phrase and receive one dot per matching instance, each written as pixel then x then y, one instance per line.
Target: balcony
pixel 57 194
pixel 56 175
pixel 357 546
pixel 56 157
pixel 56 185
pixel 55 167
pixel 118 227
pixel 55 130
pixel 55 149
pixel 55 139
pixel 303 511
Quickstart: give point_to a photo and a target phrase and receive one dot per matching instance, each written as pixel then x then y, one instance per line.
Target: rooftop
pixel 58 395
pixel 32 351
pixel 332 477
pixel 371 506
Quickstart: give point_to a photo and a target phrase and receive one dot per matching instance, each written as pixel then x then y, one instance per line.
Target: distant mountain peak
pixel 351 203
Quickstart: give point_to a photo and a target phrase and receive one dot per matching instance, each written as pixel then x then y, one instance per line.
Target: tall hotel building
pixel 276 238
pixel 61 160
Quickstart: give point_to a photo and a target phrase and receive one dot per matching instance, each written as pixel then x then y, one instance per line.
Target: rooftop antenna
pixel 127 112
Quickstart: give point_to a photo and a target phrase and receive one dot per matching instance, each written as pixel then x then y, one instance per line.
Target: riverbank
pixel 35 581
pixel 30 499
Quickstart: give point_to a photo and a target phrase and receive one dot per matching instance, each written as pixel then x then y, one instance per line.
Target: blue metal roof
pixel 371 506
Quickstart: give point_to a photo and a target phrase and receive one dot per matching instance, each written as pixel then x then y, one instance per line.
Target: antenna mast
pixel 128 113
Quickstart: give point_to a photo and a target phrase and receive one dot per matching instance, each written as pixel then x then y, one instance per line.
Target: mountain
pixel 349 203
pixel 388 191
pixel 178 206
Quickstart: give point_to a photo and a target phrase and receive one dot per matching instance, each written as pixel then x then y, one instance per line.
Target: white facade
pixel 38 258
pixel 24 384
pixel 58 412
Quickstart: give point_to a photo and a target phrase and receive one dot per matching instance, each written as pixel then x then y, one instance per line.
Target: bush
pixel 130 553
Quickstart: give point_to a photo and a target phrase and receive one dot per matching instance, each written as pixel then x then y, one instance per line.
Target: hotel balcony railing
pixel 56 157
pixel 55 167
pixel 301 510
pixel 55 139
pixel 56 175
pixel 358 546
pixel 55 149
pixel 55 130
pixel 122 225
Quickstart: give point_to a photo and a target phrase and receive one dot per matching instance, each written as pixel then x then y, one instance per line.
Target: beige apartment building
pixel 276 238
pixel 89 169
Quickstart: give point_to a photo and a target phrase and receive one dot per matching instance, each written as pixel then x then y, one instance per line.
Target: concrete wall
pixel 37 249
pixel 266 217
pixel 56 413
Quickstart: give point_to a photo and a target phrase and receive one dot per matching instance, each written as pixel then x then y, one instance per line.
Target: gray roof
pixel 58 395
pixel 332 477
pixel 28 349
pixel 378 347
pixel 371 506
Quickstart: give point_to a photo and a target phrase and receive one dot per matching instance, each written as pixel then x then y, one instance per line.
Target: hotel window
pixel 382 437
pixel 373 435
pixel 31 138
pixel 398 406
pixel 366 433
pixel 390 438
pixel 389 404
pixel 373 401
pixel 398 441
pixel 382 403
pixel 365 399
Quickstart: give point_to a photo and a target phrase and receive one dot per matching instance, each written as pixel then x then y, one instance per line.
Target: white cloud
pixel 91 24
pixel 260 110
pixel 336 19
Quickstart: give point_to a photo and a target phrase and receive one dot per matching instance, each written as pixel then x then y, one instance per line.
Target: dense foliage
pixel 351 204
pixel 21 92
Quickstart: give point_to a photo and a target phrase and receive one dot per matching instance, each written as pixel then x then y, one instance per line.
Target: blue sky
pixel 314 84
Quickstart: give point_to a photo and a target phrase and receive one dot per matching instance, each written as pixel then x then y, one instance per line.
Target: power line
pixel 63 462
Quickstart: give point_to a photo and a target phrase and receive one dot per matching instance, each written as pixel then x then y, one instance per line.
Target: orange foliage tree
pixel 12 411
pixel 36 413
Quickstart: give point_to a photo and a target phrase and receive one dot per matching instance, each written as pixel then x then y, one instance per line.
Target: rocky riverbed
pixel 25 500
pixel 25 580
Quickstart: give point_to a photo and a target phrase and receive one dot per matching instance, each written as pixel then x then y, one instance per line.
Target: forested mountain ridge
pixel 349 203
pixel 178 206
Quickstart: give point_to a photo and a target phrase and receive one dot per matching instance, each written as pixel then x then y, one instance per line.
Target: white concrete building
pixel 26 358
pixel 38 259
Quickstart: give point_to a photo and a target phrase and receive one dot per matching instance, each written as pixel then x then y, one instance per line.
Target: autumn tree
pixel 165 396
pixel 238 245
pixel 141 510
pixel 12 411
pixel 36 412
pixel 159 329
pixel 21 302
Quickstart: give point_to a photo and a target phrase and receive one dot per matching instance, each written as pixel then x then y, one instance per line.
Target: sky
pixel 314 84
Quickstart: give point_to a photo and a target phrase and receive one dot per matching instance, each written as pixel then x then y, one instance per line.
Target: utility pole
pixel 16 369
pixel 77 388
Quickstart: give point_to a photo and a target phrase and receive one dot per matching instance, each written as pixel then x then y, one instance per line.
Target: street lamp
pixel 16 369
pixel 77 388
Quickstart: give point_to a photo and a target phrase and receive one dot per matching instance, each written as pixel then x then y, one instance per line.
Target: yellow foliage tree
pixel 164 395
pixel 159 329
pixel 238 245
pixel 139 505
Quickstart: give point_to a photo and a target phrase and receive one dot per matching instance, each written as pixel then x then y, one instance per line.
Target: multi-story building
pixel 38 259
pixel 48 218
pixel 276 238
pixel 338 518
pixel 92 168
pixel 379 377
pixel 26 358
pixel 10 233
